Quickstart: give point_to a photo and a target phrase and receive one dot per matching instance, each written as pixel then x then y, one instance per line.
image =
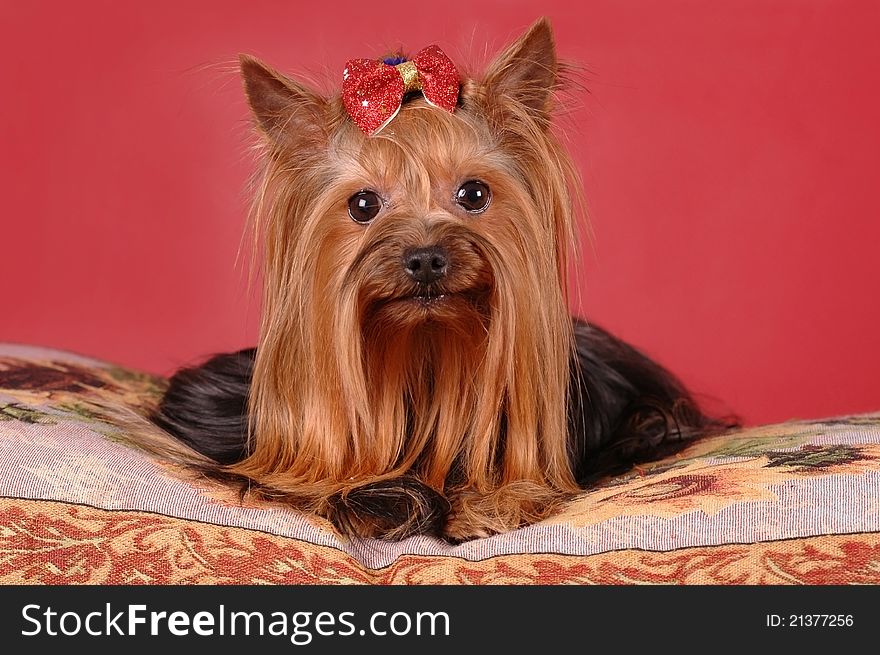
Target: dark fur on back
pixel 206 406
pixel 623 409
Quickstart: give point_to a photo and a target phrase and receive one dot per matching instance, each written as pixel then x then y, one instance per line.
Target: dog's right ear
pixel 287 113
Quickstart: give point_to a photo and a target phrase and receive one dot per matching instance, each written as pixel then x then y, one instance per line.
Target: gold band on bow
pixel 410 75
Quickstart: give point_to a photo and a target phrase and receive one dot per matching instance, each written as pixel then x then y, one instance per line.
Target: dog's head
pixel 415 315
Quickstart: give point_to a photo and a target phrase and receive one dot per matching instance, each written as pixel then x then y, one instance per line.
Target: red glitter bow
pixel 373 90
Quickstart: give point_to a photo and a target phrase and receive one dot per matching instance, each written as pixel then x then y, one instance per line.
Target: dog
pixel 418 369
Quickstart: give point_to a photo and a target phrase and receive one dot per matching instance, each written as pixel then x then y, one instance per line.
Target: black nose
pixel 425 265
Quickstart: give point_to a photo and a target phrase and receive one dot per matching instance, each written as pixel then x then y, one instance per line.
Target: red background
pixel 730 153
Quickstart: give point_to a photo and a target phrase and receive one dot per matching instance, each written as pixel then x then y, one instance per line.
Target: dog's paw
pixel 457 531
pixel 389 509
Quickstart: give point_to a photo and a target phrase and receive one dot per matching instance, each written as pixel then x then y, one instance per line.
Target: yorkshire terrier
pixel 418 370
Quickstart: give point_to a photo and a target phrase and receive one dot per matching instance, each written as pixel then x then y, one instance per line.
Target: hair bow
pixel 373 90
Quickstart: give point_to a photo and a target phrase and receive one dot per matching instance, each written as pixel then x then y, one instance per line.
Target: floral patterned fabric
pixel 796 503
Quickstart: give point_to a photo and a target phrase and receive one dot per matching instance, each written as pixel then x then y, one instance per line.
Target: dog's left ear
pixel 527 71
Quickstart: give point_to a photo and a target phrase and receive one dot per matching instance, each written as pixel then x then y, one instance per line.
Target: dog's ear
pixel 527 71
pixel 287 112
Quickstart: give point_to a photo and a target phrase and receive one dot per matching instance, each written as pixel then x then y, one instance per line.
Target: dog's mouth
pixel 429 303
pixel 435 297
pixel 428 299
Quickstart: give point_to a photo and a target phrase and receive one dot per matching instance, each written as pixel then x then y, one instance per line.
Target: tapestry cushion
pixel 794 503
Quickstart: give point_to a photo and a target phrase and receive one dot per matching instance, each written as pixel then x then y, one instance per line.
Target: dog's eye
pixel 363 206
pixel 473 196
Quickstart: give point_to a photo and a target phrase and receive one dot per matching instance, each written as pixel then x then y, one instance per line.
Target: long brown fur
pixel 353 383
pixel 389 416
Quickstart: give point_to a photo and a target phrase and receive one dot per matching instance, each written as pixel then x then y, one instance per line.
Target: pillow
pixel 795 503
